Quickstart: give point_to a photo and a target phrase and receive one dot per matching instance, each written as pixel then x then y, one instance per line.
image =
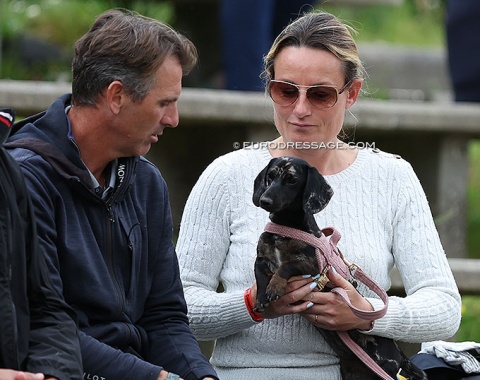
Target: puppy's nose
pixel 266 203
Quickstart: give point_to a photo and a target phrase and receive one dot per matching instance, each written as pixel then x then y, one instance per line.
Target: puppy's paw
pixel 260 308
pixel 276 289
pixel 260 303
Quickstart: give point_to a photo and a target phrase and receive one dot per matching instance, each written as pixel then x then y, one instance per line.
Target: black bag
pixel 438 369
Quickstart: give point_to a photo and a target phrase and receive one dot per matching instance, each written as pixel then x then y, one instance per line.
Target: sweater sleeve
pixel 202 249
pixel 431 309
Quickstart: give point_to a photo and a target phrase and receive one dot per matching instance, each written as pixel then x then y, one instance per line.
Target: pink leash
pixel 328 255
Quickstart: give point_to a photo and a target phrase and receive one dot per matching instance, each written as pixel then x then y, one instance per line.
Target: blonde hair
pixel 318 30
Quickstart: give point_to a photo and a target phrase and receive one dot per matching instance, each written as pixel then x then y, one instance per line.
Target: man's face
pixel 140 123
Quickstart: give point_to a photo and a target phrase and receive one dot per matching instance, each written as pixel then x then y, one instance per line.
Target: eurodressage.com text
pixel 303 145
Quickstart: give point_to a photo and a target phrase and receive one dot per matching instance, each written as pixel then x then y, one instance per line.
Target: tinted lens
pixel 283 93
pixel 322 96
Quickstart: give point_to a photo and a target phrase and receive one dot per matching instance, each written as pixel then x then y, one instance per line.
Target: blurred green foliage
pixel 60 23
pixel 469 328
pixel 63 21
pixel 415 22
pixel 473 211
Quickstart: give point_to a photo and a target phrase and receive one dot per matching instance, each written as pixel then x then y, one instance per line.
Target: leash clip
pixel 323 280
pixel 352 268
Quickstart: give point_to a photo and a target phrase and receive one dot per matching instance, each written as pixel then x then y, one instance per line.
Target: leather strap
pixel 329 255
pixel 363 356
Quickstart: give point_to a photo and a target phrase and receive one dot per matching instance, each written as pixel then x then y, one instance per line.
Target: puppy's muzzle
pixel 267 203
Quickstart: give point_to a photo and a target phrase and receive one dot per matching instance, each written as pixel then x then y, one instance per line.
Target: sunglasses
pixel 320 96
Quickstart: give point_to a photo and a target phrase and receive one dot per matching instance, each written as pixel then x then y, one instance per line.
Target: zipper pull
pixel 111 217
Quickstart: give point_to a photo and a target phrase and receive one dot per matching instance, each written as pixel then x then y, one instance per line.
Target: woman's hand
pixel 331 312
pixel 294 300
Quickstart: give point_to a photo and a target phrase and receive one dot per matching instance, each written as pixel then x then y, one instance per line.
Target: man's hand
pixel 10 374
pixel 164 375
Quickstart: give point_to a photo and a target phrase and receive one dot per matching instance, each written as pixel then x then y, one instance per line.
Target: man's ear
pixel 115 95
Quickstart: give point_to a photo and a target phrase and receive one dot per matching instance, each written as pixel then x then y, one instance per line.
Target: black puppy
pixel 292 191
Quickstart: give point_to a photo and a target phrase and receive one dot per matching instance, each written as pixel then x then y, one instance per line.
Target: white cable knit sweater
pixel 382 213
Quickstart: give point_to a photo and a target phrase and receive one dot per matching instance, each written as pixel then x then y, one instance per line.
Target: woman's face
pixel 300 121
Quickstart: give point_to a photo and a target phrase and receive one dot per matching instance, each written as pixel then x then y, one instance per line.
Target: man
pixel 463 37
pixel 248 28
pixel 103 211
pixel 38 337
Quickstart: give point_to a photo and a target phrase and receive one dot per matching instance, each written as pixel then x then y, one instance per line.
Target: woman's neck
pixel 327 158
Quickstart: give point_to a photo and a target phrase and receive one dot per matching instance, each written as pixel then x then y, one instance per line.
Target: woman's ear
pixel 353 92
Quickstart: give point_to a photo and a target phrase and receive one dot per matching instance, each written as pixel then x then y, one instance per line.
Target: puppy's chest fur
pixel 286 251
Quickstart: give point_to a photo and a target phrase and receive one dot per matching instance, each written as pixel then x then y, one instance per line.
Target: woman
pixel 313 75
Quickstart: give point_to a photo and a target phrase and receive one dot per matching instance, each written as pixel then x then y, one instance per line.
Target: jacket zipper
pixel 110 220
pixel 9 280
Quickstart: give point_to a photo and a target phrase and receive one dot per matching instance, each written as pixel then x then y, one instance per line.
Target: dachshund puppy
pixel 292 191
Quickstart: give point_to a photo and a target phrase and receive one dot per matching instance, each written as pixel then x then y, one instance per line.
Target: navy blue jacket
pixel 37 329
pixel 113 259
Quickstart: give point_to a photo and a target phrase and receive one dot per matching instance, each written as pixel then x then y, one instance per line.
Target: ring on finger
pixel 316 318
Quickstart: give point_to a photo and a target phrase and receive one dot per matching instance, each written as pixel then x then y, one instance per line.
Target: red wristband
pixel 249 303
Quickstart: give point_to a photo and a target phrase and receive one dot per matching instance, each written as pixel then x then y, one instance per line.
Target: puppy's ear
pixel 317 192
pixel 259 185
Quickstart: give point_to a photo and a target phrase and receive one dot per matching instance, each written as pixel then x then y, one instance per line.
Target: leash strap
pixel 329 255
pixel 363 356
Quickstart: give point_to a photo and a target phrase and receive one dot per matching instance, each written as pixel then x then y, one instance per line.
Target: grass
pixel 473 209
pixel 469 328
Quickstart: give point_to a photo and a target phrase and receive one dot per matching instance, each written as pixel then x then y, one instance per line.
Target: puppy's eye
pixel 270 177
pixel 290 180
